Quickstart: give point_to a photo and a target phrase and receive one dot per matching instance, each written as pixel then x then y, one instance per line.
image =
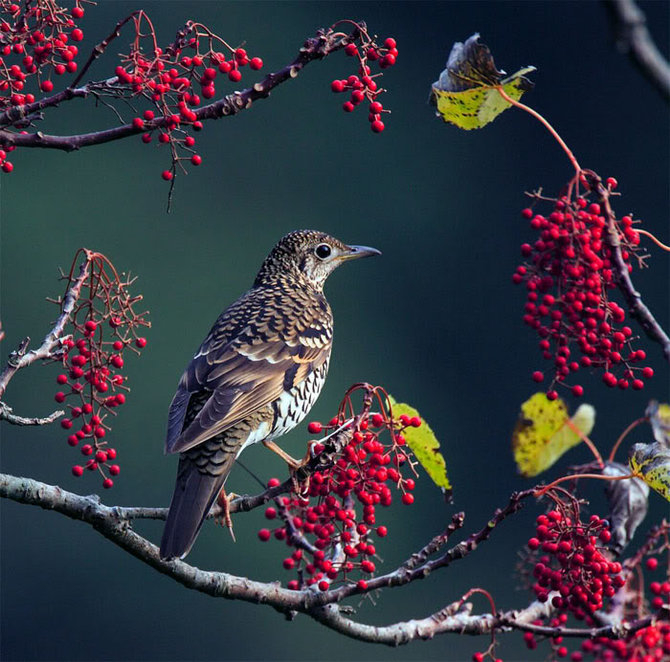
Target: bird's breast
pixel 292 406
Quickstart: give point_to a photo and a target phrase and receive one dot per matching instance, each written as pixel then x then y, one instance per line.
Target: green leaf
pixel 466 94
pixel 651 463
pixel 425 446
pixel 544 432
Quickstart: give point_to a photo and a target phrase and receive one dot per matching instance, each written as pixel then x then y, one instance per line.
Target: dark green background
pixel 435 320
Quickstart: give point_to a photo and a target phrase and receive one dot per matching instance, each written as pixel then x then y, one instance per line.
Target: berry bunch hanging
pixel 569 274
pixel 105 326
pixel 363 86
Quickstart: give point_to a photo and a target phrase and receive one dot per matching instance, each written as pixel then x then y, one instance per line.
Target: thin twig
pixel 632 35
pixel 6 414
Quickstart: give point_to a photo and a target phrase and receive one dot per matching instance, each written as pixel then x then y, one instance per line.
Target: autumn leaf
pixel 466 93
pixel 659 417
pixel 544 432
pixel 628 502
pixel 651 463
pixel 425 446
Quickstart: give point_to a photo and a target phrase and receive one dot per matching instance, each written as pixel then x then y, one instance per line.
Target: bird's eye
pixel 323 251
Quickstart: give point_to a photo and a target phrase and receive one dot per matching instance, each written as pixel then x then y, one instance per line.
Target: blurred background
pixel 436 320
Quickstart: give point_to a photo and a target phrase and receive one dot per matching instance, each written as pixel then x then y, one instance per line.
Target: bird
pixel 254 378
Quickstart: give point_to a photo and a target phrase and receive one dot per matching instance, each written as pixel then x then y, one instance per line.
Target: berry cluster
pixel 568 274
pixel 574 563
pixel 175 80
pixel 104 325
pixel 333 540
pixel 363 87
pixel 37 41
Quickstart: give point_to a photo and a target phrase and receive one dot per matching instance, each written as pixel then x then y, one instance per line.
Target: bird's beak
pixel 354 252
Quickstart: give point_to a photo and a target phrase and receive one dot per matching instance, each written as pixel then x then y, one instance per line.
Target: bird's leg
pixel 291 461
pixel 223 500
pixel 293 464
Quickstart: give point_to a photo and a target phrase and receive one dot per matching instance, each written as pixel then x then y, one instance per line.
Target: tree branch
pixel 315 48
pixel 632 36
pixel 633 298
pixel 112 523
pixel 21 358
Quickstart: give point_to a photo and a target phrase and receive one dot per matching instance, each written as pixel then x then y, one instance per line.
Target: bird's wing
pixel 250 365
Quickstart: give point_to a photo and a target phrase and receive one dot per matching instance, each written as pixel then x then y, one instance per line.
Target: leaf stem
pixel 546 124
pixel 543 490
pixel 659 243
pixel 623 435
pixel 587 441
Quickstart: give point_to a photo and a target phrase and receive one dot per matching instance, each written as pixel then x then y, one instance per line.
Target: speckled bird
pixel 255 377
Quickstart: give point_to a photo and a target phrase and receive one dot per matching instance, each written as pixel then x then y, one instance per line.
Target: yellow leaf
pixel 544 432
pixel 425 446
pixel 466 94
pixel 651 463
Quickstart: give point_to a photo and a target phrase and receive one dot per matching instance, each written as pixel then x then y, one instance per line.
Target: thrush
pixel 255 377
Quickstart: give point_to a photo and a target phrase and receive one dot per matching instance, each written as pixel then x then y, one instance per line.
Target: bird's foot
pixel 223 501
pixel 294 465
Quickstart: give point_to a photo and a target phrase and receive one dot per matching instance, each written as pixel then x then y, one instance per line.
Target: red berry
pixel 77 34
pixel 77 12
pixel 7 166
pixel 407 499
pixel 166 174
pixel 611 182
pixel 141 342
pixel 347 106
pixel 138 123
pixel 255 63
pixel 362 585
pixel 538 376
pixel 314 427
pixel 264 534
pixel 647 372
pixel 577 390
pixel 114 469
pixel 337 86
pixel 77 470
pixel 288 563
pixel 390 42
pixel 351 49
pixel 59 397
pixel 196 159
pixel 46 86
pixel 651 563
pixel 235 75
pixel 388 60
pixel 273 482
pixel 324 585
pixel 66 423
pixel 270 513
pixel 107 483
pixel 377 126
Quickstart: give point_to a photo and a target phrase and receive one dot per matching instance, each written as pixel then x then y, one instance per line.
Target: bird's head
pixel 309 255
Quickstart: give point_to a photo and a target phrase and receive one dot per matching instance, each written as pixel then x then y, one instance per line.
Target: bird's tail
pixel 194 494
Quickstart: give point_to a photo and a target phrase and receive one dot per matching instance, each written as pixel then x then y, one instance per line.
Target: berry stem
pixel 622 436
pixel 546 124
